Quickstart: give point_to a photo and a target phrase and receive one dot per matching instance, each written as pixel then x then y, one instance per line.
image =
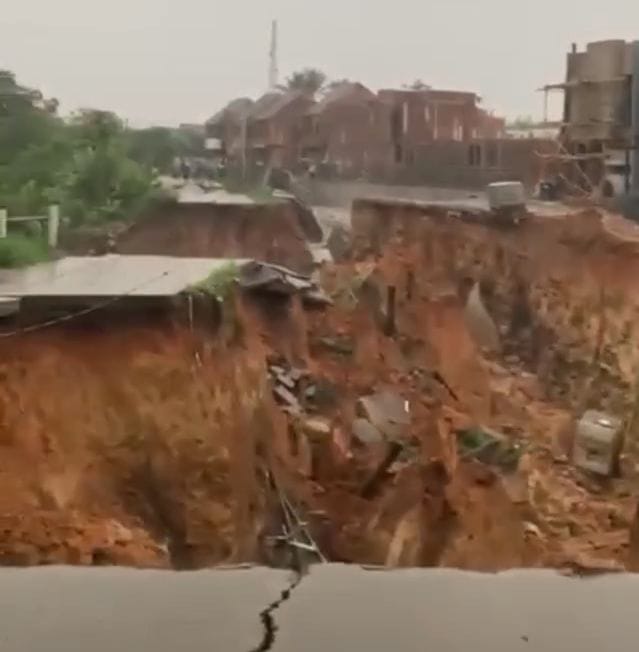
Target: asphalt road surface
pixel 345 609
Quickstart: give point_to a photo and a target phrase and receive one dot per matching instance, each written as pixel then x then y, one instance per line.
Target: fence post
pixel 54 225
pixel 3 222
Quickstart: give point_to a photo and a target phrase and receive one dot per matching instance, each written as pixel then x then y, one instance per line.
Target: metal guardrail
pixel 52 218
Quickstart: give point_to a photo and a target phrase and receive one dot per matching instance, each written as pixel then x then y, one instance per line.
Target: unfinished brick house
pixel 227 126
pixel 419 117
pixel 490 126
pixel 347 130
pixel 274 128
pixel 479 162
pixel 354 133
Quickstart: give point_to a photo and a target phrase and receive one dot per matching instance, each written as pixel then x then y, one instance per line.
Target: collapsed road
pixel 438 397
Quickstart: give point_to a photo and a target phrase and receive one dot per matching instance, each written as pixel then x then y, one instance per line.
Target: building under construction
pixel 598 152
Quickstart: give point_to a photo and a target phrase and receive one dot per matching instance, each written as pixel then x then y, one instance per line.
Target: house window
pixel 474 155
pixel 436 125
pixel 492 155
pixel 426 114
pixel 399 153
pixel 458 130
pixel 405 117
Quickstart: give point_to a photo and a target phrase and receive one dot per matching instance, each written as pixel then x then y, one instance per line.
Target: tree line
pixel 92 164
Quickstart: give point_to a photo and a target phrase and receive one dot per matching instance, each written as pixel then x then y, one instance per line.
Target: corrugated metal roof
pixel 110 276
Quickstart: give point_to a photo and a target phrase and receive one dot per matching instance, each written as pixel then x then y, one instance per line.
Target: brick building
pixel 275 128
pixel 490 126
pixel 420 117
pixel 227 126
pixel 347 130
pixel 352 132
pixel 479 162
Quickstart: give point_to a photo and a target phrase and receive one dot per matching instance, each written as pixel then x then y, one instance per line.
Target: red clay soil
pixel 130 446
pixel 452 512
pixel 269 232
pixel 148 447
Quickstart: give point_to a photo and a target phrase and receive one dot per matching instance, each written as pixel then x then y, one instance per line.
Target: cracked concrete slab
pixel 108 610
pixel 334 607
pixel 349 608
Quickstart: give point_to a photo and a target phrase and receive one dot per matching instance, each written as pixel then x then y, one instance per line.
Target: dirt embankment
pixel 269 232
pixel 130 446
pixel 148 447
pixel 440 507
pixel 561 291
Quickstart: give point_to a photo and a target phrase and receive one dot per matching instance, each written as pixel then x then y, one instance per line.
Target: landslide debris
pixel 410 429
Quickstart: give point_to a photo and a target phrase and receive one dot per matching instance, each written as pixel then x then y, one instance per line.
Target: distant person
pixel 185 169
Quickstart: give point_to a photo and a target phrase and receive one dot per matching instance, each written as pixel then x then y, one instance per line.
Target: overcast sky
pixel 171 61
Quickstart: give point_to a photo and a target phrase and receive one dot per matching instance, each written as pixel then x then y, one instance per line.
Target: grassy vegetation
pixel 220 281
pixel 21 250
pixel 261 195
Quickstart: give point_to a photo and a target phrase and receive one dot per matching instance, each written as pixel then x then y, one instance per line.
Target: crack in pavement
pixel 267 616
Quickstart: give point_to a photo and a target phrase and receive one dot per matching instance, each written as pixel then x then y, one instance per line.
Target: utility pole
pixel 273 70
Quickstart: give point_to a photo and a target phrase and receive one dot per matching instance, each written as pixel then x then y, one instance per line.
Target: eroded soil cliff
pixel 154 446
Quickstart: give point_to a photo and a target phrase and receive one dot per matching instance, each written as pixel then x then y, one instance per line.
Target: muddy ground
pixel 157 446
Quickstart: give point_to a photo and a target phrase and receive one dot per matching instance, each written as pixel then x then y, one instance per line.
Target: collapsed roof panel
pixel 110 276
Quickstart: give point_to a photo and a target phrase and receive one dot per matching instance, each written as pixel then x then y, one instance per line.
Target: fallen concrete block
pixel 388 411
pixel 598 443
pixel 317 427
pixel 365 432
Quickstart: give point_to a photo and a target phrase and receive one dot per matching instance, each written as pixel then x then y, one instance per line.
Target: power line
pixel 81 313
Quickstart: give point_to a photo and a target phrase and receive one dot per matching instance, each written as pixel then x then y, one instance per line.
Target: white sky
pixel 170 61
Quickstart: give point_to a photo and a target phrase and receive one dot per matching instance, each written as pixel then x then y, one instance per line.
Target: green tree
pixel 96 128
pixel 13 96
pixel 101 181
pixel 308 80
pixel 417 85
pixel 155 147
pixel 82 164
pixel 523 122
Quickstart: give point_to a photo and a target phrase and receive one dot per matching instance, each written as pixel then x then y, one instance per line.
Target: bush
pixel 220 281
pixel 20 251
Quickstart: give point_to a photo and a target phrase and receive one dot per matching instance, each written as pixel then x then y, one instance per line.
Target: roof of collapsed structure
pixel 116 275
pixel 110 275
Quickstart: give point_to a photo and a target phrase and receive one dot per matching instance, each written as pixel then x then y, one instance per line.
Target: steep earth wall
pixel 147 445
pixel 562 291
pixel 132 446
pixel 268 232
